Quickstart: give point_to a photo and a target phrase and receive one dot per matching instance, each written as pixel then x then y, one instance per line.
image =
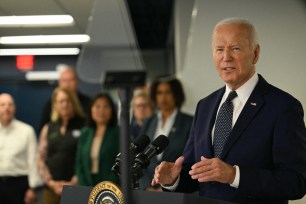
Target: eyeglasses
pixel 141 106
pixel 63 101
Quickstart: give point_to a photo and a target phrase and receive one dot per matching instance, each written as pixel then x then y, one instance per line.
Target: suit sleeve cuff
pixel 173 187
pixel 236 181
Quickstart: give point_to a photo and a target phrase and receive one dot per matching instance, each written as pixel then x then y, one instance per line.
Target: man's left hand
pixel 213 170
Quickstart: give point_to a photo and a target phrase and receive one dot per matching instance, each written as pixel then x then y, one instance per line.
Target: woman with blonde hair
pixel 58 144
pixel 141 108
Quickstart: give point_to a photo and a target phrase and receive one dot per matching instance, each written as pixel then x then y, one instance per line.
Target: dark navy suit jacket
pixel 178 137
pixel 267 142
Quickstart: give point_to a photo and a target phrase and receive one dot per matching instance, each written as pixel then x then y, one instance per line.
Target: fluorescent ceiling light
pixel 44 39
pixel 36 21
pixel 42 75
pixel 39 51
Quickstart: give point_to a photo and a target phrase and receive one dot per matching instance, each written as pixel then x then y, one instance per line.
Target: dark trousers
pixel 13 189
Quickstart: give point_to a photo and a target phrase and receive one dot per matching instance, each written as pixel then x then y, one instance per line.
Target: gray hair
pixel 240 21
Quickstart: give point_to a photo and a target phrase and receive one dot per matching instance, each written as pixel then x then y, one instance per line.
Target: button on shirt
pixel 18 152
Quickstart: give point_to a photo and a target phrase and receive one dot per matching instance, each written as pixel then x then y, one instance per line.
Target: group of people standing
pixel 72 149
pixel 79 143
pixel 78 146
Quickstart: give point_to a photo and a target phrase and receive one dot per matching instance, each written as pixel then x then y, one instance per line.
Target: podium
pixel 80 195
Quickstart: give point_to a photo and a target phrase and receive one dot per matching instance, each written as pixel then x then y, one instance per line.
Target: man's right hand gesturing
pixel 167 172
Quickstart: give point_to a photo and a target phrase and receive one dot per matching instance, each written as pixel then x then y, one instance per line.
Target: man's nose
pixel 227 56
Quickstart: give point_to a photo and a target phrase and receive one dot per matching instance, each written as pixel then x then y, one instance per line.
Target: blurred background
pixel 124 35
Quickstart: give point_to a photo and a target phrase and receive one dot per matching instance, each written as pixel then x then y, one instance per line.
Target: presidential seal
pixel 105 192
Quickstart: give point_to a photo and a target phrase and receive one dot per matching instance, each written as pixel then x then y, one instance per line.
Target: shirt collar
pixel 9 125
pixel 170 118
pixel 245 90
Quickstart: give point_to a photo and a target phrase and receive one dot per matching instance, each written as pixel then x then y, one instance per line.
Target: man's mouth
pixel 228 68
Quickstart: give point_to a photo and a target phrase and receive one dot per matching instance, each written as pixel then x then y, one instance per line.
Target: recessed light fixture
pixel 44 39
pixel 39 51
pixel 42 75
pixel 36 21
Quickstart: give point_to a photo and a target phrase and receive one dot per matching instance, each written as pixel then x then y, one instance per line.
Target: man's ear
pixel 256 54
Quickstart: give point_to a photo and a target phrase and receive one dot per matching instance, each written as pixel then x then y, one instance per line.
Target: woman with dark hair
pixel 99 143
pixel 168 96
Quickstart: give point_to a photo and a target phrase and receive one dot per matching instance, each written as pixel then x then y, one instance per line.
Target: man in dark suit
pixel 263 159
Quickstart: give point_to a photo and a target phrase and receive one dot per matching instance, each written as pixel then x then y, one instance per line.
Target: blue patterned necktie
pixel 223 124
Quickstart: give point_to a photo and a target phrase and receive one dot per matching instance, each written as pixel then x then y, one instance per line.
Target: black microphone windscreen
pixel 161 142
pixel 141 142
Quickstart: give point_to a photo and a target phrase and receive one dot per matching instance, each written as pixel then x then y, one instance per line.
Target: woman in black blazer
pixel 168 96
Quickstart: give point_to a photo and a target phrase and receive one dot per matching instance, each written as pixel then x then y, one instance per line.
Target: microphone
pixel 137 146
pixel 142 160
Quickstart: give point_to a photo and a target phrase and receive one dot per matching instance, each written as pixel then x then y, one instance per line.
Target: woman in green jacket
pixel 99 143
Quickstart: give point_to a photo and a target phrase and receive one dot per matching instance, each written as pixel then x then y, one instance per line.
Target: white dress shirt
pixel 18 152
pixel 243 94
pixel 164 130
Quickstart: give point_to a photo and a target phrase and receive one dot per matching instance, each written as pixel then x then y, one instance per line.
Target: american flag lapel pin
pixel 253 104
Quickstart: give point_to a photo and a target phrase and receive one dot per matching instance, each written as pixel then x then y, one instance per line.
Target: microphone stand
pixel 125 81
pixel 125 177
pixel 135 181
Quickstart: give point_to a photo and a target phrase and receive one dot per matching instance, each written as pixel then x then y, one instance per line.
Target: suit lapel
pixel 172 134
pixel 87 160
pixel 249 111
pixel 152 127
